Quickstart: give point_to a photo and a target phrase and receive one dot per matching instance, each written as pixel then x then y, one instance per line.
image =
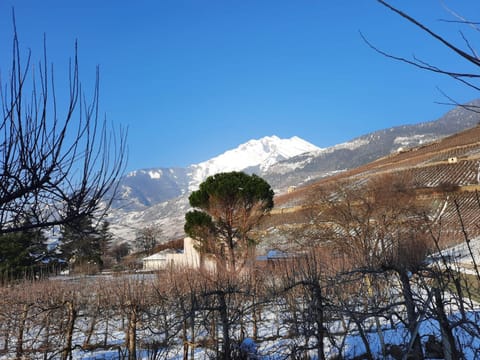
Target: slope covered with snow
pixel 262 153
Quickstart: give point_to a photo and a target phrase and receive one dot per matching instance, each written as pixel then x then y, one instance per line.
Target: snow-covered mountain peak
pixel 261 153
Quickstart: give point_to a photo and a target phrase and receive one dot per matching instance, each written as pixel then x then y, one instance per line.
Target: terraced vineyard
pixel 461 173
pixel 459 217
pixel 445 174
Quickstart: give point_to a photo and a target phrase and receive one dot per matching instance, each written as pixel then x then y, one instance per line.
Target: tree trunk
pixel 450 351
pixel 71 318
pixel 213 331
pixel 381 338
pixel 255 321
pixel 364 338
pixel 105 334
pixel 416 348
pixel 90 330
pixel 21 329
pixel 132 334
pixel 185 340
pixel 46 337
pixel 225 326
pixel 192 341
pixel 232 261
pixel 319 320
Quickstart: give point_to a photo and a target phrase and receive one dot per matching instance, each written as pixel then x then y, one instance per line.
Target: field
pixel 286 310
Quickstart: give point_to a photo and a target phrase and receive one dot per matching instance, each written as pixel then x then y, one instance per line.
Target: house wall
pixel 189 258
pixel 154 264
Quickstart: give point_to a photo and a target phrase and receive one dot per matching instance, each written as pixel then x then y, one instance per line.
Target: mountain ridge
pixel 261 153
pixel 167 207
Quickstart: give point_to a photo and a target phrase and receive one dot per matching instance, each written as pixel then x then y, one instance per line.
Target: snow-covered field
pixel 277 320
pixel 464 256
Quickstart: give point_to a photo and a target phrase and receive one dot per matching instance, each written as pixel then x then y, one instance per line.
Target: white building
pixel 158 260
pixel 189 257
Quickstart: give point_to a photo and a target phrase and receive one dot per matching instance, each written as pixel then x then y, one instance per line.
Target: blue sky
pixel 193 78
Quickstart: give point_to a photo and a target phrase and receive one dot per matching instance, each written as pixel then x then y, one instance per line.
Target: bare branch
pixel 474 60
pixel 53 170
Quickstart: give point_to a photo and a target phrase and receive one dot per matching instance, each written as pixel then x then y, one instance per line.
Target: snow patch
pixel 349 145
pixel 414 139
pixel 155 174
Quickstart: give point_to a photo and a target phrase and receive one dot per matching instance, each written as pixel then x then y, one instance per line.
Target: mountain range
pixel 160 195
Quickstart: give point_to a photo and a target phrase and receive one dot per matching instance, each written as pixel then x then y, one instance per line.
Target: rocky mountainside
pixel 160 196
pixel 308 167
pixel 143 188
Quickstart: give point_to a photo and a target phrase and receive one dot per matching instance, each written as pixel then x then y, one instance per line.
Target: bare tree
pixel 147 238
pixel 464 50
pixel 119 251
pixel 380 226
pixel 55 166
pixel 309 274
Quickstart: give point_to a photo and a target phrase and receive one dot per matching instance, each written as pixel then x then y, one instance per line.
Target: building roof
pixel 273 255
pixel 161 255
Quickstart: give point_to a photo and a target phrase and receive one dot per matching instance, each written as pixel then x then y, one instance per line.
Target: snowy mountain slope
pixel 305 168
pixel 143 188
pixel 261 154
pixel 168 216
pixel 161 195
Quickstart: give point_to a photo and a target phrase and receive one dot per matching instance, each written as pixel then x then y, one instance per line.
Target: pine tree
pixel 105 238
pixel 82 245
pixel 227 206
pixel 22 254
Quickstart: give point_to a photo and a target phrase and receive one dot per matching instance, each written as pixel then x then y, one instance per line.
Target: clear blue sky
pixel 193 78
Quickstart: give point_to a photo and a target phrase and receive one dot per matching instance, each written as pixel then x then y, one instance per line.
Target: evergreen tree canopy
pixel 22 253
pixel 83 242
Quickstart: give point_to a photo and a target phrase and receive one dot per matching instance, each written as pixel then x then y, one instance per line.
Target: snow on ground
pixel 464 255
pixel 278 345
pixel 279 349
